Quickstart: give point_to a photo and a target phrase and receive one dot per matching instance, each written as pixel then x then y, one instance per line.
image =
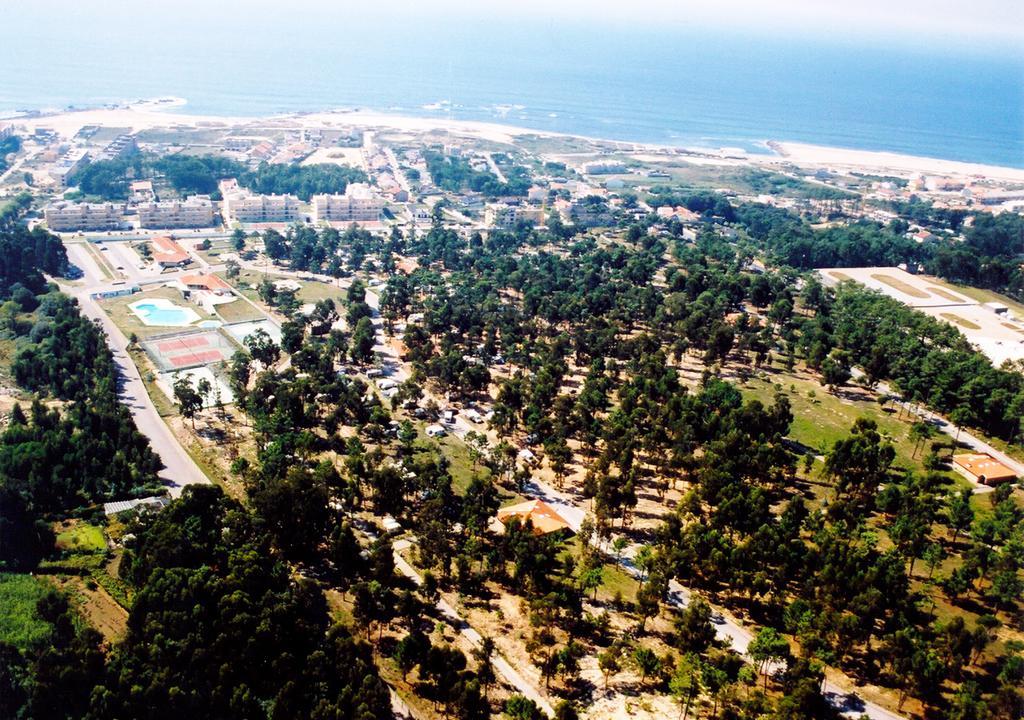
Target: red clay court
pixel 189 350
pixel 177 344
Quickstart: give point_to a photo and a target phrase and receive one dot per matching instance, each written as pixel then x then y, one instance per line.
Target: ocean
pixel 673 86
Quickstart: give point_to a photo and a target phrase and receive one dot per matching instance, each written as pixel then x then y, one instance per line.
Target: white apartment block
pixel 358 204
pixel 193 212
pixel 243 206
pixel 66 166
pixel 67 216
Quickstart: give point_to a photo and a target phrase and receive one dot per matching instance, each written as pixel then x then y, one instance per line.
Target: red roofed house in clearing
pixel 210 283
pixel 168 253
pixel 543 517
pixel 981 468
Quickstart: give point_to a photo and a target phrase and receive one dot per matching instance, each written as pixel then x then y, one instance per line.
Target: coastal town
pixel 552 426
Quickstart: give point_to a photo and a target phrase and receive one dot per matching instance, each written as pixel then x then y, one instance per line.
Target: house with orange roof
pixel 983 469
pixel 207 282
pixel 542 516
pixel 167 253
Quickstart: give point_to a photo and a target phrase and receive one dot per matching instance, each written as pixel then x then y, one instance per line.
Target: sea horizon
pixel 679 88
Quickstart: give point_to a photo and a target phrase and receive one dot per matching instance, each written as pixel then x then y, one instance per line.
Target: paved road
pixel 729 630
pixel 964 436
pixel 179 468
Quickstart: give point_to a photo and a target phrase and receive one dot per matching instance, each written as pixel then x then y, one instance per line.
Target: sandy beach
pixel 841 158
pixel 781 152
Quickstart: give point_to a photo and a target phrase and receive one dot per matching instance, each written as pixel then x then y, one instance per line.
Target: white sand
pixel 840 158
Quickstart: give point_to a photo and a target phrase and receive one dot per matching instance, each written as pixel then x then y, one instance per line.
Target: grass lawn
pixel 163 404
pixel 238 311
pixel 310 291
pixel 455 450
pixel 614 580
pixel 957 320
pixel 118 310
pixel 982 296
pixel 821 418
pixel 82 537
pixel 19 624
pixel 8 348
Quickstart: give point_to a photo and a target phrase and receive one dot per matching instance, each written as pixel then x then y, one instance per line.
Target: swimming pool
pixel 164 313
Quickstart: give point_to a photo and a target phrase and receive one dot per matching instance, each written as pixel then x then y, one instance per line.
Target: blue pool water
pixel 153 314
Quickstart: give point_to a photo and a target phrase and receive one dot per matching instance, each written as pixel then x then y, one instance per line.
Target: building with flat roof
pixel 193 212
pixel 983 469
pixel 500 215
pixel 68 164
pixel 358 204
pixel 243 206
pixel 6 130
pixel 167 253
pixel 121 146
pixel 65 216
pixel 142 191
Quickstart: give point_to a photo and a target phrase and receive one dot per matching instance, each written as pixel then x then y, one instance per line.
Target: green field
pixel 982 296
pixel 20 626
pixel 310 291
pixel 82 537
pixel 238 311
pixel 820 418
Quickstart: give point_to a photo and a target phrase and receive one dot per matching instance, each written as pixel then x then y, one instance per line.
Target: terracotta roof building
pixel 210 283
pixel 168 253
pixel 543 517
pixel 981 468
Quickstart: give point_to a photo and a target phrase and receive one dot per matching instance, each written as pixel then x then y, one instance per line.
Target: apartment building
pixel 242 206
pixel 500 215
pixel 68 164
pixel 121 146
pixel 358 204
pixel 193 212
pixel 64 216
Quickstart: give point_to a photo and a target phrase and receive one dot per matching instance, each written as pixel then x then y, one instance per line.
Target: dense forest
pixel 218 627
pixel 839 579
pixel 8 145
pixel 24 256
pixel 988 255
pixel 52 460
pixel 200 174
pixel 455 174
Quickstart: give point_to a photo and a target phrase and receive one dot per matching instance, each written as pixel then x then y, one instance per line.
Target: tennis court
pixel 189 350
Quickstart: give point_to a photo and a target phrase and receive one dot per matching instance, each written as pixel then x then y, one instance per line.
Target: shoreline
pixel 144 115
